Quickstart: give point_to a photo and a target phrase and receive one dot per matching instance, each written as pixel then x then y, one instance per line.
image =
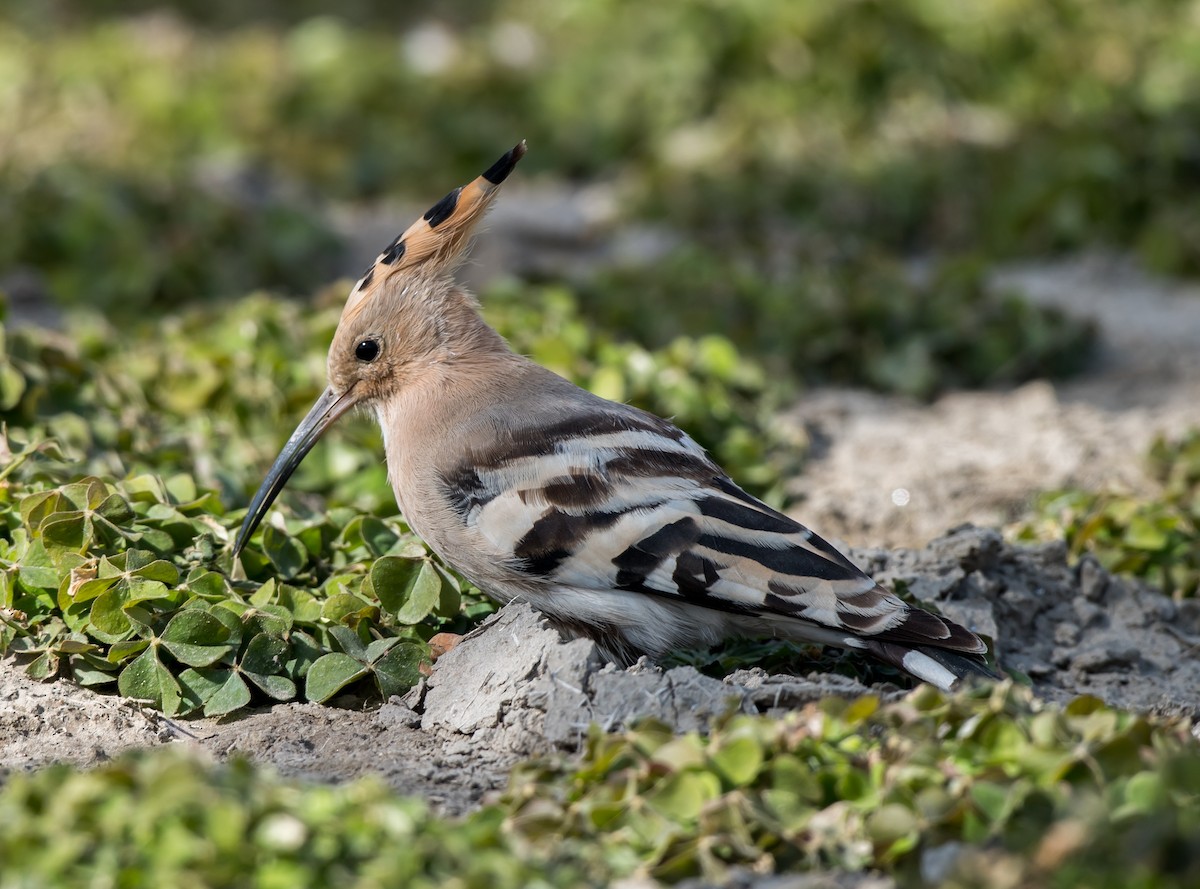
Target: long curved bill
pixel 327 409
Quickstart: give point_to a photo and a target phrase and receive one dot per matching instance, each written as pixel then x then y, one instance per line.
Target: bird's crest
pixel 438 237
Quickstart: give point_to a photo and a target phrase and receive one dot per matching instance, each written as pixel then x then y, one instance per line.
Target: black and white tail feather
pixel 617 524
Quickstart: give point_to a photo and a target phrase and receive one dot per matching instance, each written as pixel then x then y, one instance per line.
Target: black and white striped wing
pixel 622 500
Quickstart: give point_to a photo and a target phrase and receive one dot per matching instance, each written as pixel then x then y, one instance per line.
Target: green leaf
pixel 378 537
pixel 181 487
pixel 71 530
pixel 378 648
pixel 273 619
pixel 208 584
pixel 218 691
pixel 682 795
pixel 74 646
pixel 1144 793
pixel 265 594
pixel 108 619
pixel 200 685
pixel 349 641
pixel 330 674
pixel 400 668
pixel 12 386
pixel 36 507
pixel 991 799
pixel 891 823
pixel 90 589
pixel 160 570
pixel 159 541
pixel 264 654
pixel 340 608
pixel 1148 533
pixel 281 688
pixel 450 599
pixel 287 555
pixel 226 613
pixel 390 577
pixel 89 672
pixel 146 679
pixel 232 695
pixel 44 666
pixel 116 509
pixel 409 590
pixel 37 569
pixel 738 759
pixel 138 589
pixel 196 638
pixel 122 651
pixel 304 653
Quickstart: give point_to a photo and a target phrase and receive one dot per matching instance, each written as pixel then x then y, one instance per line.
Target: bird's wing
pixel 620 499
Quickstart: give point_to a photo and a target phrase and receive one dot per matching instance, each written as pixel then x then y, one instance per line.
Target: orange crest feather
pixel 438 236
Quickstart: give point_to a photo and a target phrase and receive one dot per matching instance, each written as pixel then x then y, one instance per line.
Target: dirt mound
pixel 1071 630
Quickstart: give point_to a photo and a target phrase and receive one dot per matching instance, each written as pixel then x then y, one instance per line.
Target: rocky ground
pixel 887 473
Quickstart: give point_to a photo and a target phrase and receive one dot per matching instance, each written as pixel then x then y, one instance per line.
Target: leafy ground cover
pixel 988 788
pixel 1153 538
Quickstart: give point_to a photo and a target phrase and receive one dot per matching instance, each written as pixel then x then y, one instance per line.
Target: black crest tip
pixel 499 171
pixel 443 209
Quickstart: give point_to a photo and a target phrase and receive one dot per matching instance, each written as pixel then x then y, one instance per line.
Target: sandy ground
pixel 515 688
pixel 979 456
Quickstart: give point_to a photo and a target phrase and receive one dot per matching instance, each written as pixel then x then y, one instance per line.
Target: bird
pixel 609 520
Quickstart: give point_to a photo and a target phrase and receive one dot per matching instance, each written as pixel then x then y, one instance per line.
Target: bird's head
pixel 394 324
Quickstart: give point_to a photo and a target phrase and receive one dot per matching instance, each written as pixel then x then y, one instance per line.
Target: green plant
pixel 1155 538
pixel 1060 797
pixel 861 320
pixel 997 788
pixel 131 584
pixel 123 241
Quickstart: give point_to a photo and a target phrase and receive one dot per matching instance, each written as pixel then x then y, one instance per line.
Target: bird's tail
pixel 937 666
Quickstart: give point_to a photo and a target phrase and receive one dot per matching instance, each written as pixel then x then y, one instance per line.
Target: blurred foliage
pixel 231 13
pixel 122 242
pixel 1026 125
pixel 987 788
pixel 1155 538
pixel 855 321
pixel 797 146
pixel 1035 796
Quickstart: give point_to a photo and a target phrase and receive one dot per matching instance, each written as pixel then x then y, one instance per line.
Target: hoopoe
pixel 609 520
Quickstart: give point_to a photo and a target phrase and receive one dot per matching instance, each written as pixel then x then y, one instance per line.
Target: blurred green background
pixel 798 153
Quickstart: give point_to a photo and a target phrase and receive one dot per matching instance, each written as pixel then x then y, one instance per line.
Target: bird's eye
pixel 367 350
